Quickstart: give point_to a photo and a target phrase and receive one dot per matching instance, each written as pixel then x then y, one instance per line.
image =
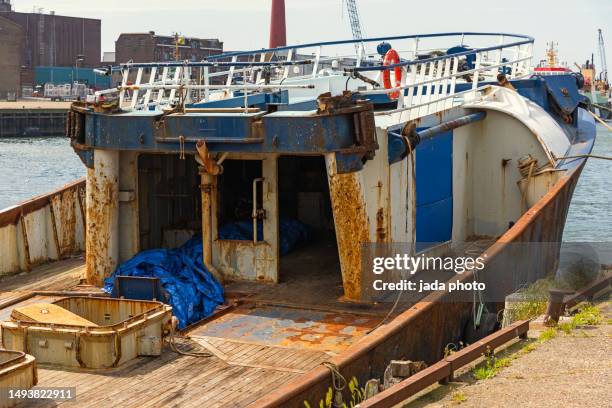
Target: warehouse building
pixel 50 40
pixel 11 39
pixel 148 47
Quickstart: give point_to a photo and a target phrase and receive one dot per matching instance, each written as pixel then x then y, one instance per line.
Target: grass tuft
pixel 533 303
pixel 492 365
pixel 566 327
pixel 528 348
pixel 459 397
pixel 588 315
pixel 548 334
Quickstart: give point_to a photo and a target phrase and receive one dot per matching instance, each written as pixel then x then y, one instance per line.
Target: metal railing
pixel 432 66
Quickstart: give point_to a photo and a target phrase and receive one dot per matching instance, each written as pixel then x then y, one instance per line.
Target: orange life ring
pixel 392 58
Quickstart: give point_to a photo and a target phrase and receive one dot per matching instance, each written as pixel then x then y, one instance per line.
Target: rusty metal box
pixel 123 330
pixel 17 371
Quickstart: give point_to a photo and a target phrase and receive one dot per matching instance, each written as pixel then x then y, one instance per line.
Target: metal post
pixel 102 247
pixel 208 183
pixel 255 212
pixel 207 187
pixel 555 306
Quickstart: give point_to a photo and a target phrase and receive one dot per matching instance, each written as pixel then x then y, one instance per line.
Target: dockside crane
pixel 602 58
pixel 353 13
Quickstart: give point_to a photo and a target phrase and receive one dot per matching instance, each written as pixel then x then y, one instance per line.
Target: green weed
pixel 528 348
pixel 357 396
pixel 566 327
pixel 588 315
pixel 459 397
pixel 548 334
pixel 534 301
pixel 492 365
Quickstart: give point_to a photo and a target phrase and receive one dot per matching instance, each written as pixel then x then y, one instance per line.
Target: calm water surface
pixel 29 167
pixel 34 166
pixel 590 214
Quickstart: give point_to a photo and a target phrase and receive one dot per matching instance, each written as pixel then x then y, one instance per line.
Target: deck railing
pixel 429 83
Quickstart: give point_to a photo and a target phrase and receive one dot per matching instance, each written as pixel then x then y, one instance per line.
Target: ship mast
pixel 551 54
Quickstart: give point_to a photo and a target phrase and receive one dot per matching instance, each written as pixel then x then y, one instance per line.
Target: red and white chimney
pixel 278 28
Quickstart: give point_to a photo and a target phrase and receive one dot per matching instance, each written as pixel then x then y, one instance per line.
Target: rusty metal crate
pixel 17 371
pixel 122 330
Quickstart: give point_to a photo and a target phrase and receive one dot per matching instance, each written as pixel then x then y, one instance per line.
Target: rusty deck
pixel 273 335
pixel 255 347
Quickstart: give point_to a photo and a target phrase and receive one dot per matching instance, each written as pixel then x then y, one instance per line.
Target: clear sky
pixel 243 24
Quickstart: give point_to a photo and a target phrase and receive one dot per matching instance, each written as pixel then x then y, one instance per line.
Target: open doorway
pixel 169 201
pixel 237 199
pixel 304 196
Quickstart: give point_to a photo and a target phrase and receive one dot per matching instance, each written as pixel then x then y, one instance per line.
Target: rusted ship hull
pixel 423 331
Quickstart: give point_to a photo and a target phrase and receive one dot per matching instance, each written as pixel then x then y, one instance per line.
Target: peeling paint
pixel 352 225
pixel 31 232
pixel 102 250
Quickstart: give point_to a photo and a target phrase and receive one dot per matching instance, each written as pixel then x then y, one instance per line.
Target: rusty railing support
pixel 443 370
pixel 56 240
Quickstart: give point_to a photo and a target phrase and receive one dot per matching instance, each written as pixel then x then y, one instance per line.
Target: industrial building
pixel 147 47
pixel 49 40
pixel 11 39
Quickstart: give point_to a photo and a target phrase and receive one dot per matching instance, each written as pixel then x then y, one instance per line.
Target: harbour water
pixel 590 215
pixel 34 166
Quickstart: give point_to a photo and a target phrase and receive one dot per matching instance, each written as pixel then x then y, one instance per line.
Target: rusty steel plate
pixel 289 327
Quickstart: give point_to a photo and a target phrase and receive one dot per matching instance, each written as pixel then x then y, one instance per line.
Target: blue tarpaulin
pixel 192 291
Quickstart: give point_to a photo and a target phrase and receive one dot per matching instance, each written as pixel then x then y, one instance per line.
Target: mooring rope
pixel 600 120
pixel 583 156
pixel 412 173
pixel 339 383
pixel 173 346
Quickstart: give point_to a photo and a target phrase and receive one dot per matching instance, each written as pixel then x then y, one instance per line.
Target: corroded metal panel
pixel 9 248
pixel 267 260
pixel 351 222
pixel 45 228
pixel 235 259
pixel 294 328
pixel 248 260
pixel 102 249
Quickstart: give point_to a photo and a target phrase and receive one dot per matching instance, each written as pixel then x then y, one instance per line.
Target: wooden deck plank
pixel 60 275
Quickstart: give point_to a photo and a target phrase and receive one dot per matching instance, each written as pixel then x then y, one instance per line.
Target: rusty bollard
pixel 555 307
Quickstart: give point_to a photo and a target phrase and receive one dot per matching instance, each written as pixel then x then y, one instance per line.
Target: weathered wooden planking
pixel 60 275
pixel 246 373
